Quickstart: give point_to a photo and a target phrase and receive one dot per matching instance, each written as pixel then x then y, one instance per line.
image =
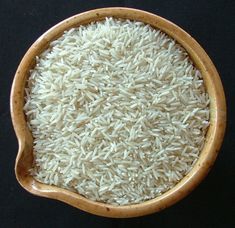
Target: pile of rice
pixel 117 110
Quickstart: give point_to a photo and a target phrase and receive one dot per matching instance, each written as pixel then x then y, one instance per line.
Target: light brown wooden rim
pixel 187 184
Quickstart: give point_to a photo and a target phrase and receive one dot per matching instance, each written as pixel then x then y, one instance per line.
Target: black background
pixel 211 23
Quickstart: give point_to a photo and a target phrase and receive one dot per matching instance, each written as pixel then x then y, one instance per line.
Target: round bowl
pixel 214 137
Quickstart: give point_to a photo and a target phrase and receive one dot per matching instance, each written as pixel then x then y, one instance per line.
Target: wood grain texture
pixel 214 138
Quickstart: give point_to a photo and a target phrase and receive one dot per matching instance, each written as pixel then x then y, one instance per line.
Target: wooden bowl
pixel 206 159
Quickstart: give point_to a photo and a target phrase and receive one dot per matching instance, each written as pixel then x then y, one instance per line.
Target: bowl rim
pixel 206 159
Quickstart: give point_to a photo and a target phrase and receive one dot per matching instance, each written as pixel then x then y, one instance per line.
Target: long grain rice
pixel 117 110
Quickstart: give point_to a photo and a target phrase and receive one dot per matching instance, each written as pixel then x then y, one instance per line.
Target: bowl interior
pixel 24 160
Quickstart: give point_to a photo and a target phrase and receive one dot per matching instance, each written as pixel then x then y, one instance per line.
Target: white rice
pixel 117 110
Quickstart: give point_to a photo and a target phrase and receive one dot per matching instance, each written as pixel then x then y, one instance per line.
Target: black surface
pixel 211 23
